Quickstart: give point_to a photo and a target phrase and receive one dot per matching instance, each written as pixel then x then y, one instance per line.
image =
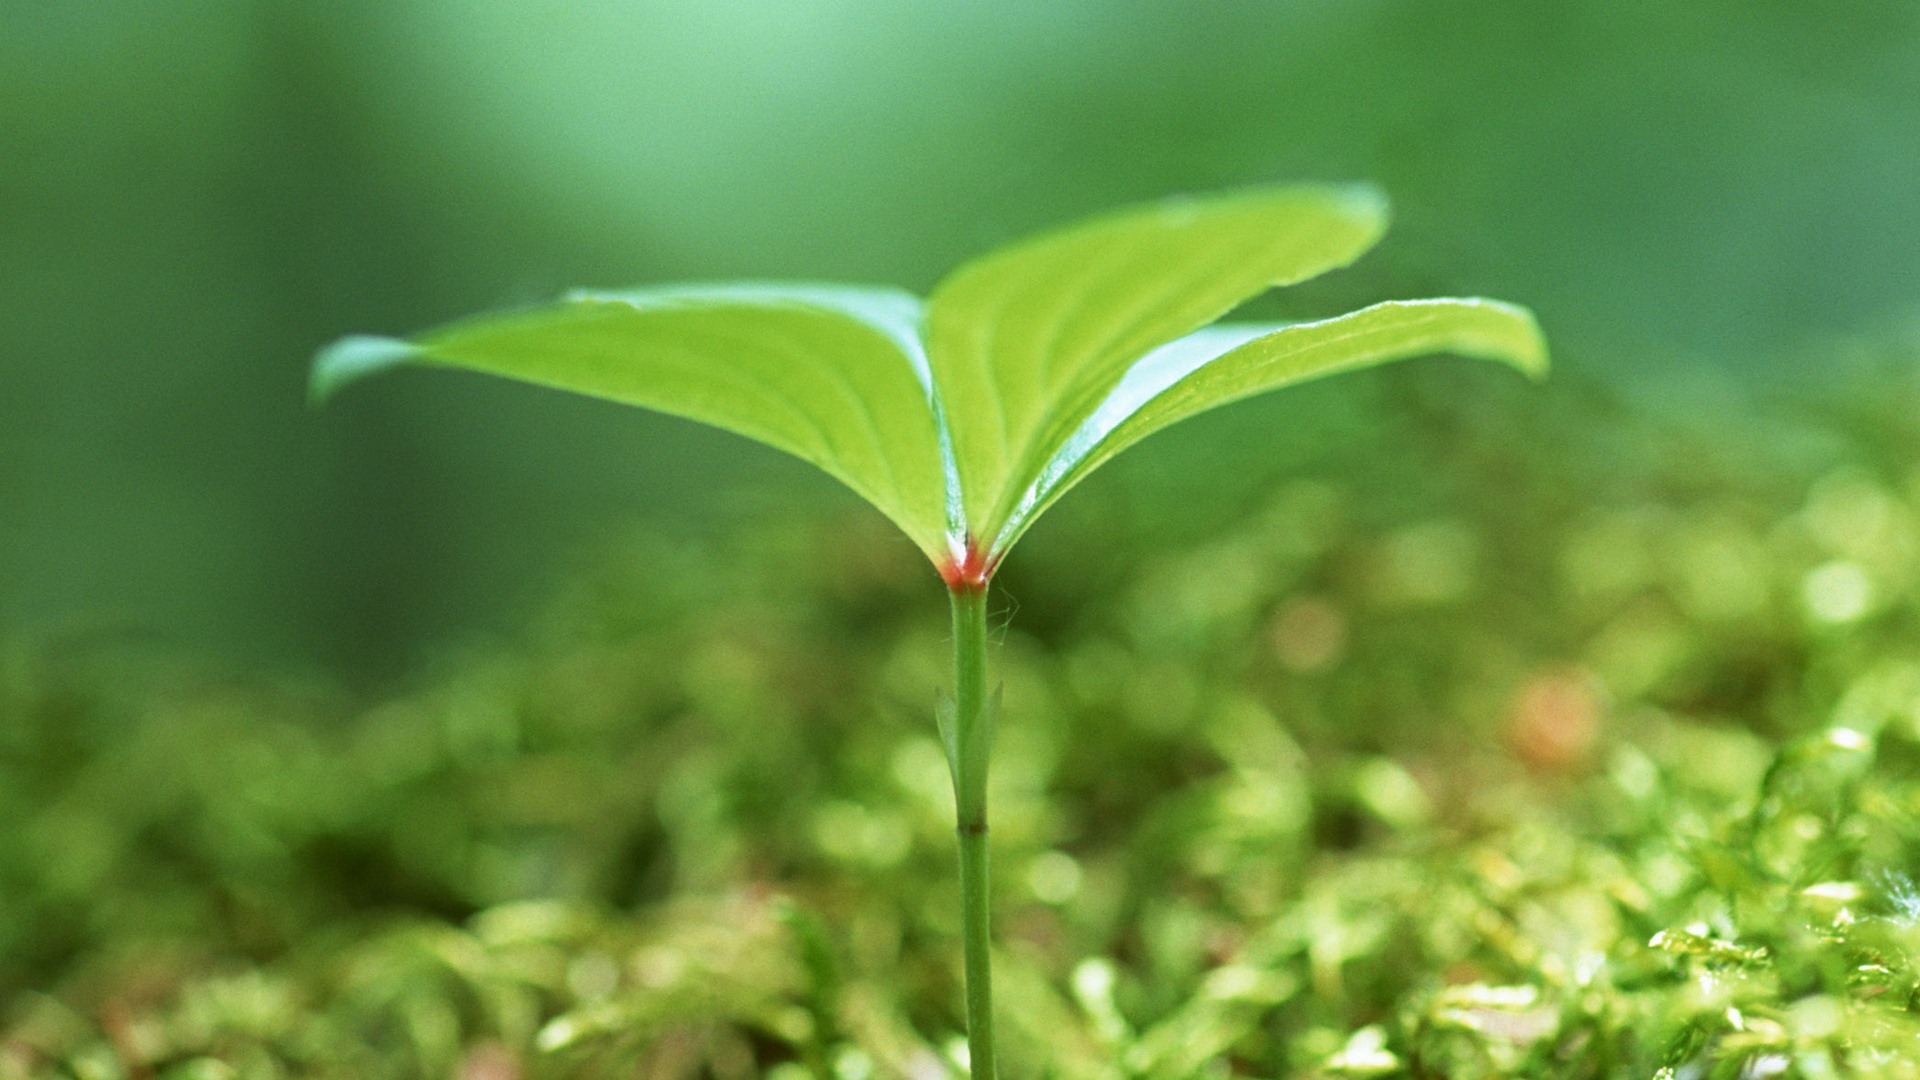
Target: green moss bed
pixel 1542 733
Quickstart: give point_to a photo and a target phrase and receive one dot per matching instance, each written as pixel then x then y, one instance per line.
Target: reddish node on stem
pixel 966 568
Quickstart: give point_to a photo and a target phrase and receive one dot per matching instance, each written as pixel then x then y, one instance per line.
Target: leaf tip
pixel 351 359
pixel 1499 331
pixel 1529 354
pixel 1367 202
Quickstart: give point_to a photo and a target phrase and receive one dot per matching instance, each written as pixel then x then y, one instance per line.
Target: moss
pixel 1591 755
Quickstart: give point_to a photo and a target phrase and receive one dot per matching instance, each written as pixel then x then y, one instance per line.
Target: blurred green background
pixel 195 194
pixel 1423 706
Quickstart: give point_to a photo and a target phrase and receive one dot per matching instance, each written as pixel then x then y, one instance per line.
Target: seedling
pixel 964 416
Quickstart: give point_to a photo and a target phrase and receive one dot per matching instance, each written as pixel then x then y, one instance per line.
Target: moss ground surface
pixel 1545 736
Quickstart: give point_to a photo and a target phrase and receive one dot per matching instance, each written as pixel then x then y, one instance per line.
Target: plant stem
pixel 969 735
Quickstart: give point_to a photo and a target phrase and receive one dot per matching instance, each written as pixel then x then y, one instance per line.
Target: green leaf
pixel 1027 341
pixel 1227 363
pixel 833 375
pixel 962 419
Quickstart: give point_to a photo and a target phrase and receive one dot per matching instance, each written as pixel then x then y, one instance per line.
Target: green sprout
pixel 964 416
